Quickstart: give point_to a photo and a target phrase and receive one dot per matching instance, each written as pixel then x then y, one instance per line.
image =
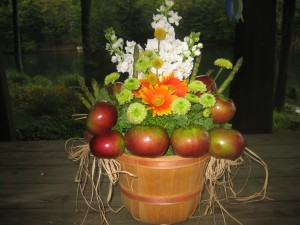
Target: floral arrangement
pixel 161 108
pixel 162 87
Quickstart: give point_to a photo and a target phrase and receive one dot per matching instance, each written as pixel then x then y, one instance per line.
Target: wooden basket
pixel 166 190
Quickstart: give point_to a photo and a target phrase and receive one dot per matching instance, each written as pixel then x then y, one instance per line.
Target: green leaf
pixel 104 95
pixel 88 95
pixel 85 102
pixel 96 89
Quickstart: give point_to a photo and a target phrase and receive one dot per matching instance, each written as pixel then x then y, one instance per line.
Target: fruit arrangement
pixel 157 104
pixel 163 107
pixel 107 139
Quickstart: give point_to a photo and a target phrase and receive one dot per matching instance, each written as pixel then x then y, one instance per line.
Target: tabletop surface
pixel 37 186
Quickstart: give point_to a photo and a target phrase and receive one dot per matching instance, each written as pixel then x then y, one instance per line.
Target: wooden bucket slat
pixel 166 190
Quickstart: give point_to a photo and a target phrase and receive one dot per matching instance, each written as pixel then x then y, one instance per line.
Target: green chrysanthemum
pixel 136 113
pixel 124 96
pixel 132 83
pixel 206 112
pixel 180 106
pixel 143 64
pixel 197 86
pixel 147 53
pixel 207 100
pixel 111 78
pixel 192 98
pixel 225 63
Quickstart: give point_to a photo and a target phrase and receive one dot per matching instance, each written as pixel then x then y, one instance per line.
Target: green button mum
pixel 136 113
pixel 180 106
pixel 124 96
pixel 225 63
pixel 132 83
pixel 197 86
pixel 207 100
pixel 111 78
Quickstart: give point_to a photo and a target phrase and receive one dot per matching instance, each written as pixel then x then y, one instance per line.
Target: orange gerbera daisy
pixel 158 98
pixel 179 86
pixel 144 83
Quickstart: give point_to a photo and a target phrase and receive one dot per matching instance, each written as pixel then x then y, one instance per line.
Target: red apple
pixel 223 111
pixel 147 141
pixel 190 142
pixel 209 82
pixel 108 145
pixel 101 118
pixel 226 143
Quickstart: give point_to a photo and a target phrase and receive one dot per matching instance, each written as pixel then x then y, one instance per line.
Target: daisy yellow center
pixel 157 63
pixel 171 88
pixel 160 33
pixel 157 101
pixel 152 79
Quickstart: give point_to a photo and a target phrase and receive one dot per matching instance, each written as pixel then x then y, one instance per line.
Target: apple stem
pixel 231 75
pixel 195 68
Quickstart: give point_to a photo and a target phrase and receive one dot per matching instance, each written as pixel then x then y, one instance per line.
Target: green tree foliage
pixel 296 24
pixel 61 21
pixel 43 23
pixel 210 19
pixel 43 109
pixel 6 26
pixel 57 22
pixel 31 23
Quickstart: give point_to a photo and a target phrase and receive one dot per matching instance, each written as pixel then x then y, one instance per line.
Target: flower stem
pixel 158 49
pixel 196 68
pixel 135 58
pixel 231 75
pixel 214 81
pixel 158 46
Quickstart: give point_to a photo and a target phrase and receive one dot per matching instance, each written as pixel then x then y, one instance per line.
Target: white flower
pixel 177 55
pixel 187 39
pixel 196 52
pixel 196 49
pixel 118 44
pixel 122 67
pixel 125 64
pixel 152 44
pixel 169 3
pixel 174 18
pixel 200 45
pixel 179 75
pixel 161 9
pixel 113 38
pixel 157 17
pixel 116 58
pixel 130 46
pixel 166 48
pixel 160 21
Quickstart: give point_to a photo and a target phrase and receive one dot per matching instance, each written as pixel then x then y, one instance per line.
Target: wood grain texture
pixel 37 186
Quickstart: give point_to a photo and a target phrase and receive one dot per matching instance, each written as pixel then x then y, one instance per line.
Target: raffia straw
pixel 218 175
pixel 262 194
pixel 90 172
pixel 80 116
